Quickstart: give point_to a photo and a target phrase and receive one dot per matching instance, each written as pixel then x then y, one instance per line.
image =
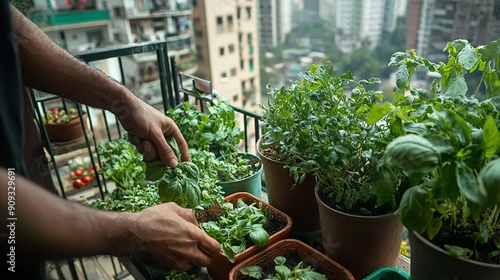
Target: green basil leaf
pixel 491 137
pixel 154 170
pixel 413 153
pixel 415 211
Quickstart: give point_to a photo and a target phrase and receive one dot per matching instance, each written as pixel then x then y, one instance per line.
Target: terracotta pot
pixel 362 244
pixel 308 255
pixel 299 203
pixel 428 261
pixel 66 131
pixel 251 184
pixel 220 266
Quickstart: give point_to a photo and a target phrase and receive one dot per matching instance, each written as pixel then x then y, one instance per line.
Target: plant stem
pixel 479 86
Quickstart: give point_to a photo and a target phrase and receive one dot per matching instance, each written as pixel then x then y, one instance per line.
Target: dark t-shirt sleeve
pixel 11 99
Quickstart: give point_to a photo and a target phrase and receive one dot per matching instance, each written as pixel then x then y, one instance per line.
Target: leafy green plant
pixel 283 271
pixel 123 164
pixel 182 183
pixel 449 149
pixel 315 127
pixel 236 228
pixel 217 131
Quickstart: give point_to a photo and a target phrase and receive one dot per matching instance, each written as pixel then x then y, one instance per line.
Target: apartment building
pixel 432 23
pixel 228 51
pixel 274 22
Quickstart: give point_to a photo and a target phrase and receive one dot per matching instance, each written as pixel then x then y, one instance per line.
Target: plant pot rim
pixel 257 173
pixel 387 216
pixel 442 251
pixel 258 144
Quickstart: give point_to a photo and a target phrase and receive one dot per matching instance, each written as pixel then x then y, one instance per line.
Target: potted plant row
pixel 319 127
pixel 449 149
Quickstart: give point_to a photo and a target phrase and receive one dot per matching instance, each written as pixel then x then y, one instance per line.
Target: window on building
pixel 220 25
pixel 252 82
pixel 223 76
pixel 248 12
pixel 250 64
pixel 233 72
pixel 230 24
pixel 249 38
pixel 231 48
pixel 235 98
pixel 242 64
pixel 240 37
pixel 243 85
pixel 221 51
pixel 238 13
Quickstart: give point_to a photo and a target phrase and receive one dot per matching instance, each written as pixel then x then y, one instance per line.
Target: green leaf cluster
pixel 320 125
pixel 123 164
pixel 184 184
pixel 217 130
pixel 239 227
pixel 283 271
pixel 448 143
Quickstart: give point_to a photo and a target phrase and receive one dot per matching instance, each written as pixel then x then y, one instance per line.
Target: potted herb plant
pixel 449 149
pixel 240 172
pixel 319 127
pixel 244 225
pixel 289 259
pixel 63 126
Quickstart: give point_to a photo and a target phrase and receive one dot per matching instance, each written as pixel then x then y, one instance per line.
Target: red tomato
pixel 55 109
pixel 55 117
pixel 72 174
pixel 86 180
pixel 78 172
pixel 78 184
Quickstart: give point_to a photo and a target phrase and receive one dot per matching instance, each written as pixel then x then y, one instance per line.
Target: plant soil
pixel 292 260
pixel 460 236
pixel 272 152
pixel 367 208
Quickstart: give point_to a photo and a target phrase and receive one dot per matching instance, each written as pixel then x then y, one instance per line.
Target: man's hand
pixel 148 129
pixel 168 237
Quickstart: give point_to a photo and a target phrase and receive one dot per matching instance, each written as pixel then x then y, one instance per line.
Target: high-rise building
pixel 433 23
pixel 228 51
pixel 274 21
pixel 359 23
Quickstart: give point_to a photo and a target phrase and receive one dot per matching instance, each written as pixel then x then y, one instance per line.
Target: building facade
pixel 433 23
pixel 228 49
pixel 274 22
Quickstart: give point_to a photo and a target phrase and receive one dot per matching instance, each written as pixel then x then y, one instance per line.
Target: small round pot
pixel 66 131
pixel 428 261
pixel 251 184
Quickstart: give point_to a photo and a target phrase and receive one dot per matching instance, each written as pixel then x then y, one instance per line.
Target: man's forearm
pixel 48 227
pixel 47 67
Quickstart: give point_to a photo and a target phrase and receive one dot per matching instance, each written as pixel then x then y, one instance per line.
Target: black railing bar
pixel 83 269
pixel 121 50
pixel 71 266
pixel 163 77
pixel 246 112
pixel 113 264
pixel 168 73
pixel 257 129
pixel 65 106
pixel 91 155
pixel 44 110
pixel 45 136
pixel 245 129
pixel 195 95
pixel 118 127
pixel 105 119
pixel 175 80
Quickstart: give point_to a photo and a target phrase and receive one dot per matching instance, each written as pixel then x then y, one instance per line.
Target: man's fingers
pixel 164 151
pixel 148 150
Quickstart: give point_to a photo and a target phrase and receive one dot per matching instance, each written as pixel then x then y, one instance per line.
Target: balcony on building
pixel 54 15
